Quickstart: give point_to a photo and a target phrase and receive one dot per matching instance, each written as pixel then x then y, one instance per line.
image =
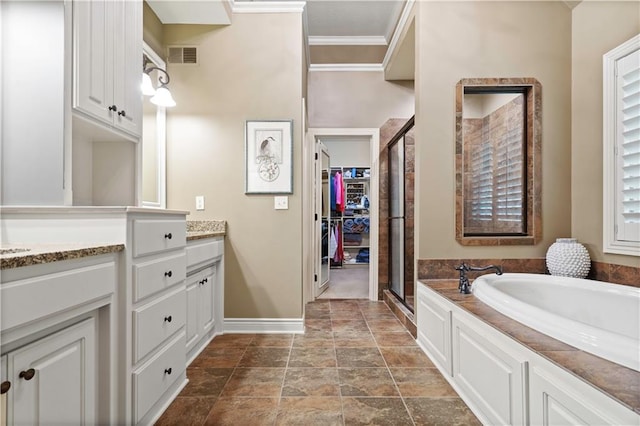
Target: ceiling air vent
pixel 183 55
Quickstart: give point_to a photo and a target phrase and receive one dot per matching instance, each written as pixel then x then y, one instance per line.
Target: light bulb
pixel 163 97
pixel 147 86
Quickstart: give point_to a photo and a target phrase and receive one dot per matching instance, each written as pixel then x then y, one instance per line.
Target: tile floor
pixel 355 365
pixel 349 282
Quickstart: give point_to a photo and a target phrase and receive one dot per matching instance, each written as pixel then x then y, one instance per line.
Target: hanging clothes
pixel 339 184
pixel 333 242
pixel 338 255
pixel 332 192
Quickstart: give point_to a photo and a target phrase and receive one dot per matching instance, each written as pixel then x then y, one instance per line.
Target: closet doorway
pixel 345 213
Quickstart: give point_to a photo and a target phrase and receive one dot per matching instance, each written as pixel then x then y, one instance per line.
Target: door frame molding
pixel 308 195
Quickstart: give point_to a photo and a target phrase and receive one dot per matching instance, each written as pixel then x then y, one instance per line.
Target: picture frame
pixel 269 157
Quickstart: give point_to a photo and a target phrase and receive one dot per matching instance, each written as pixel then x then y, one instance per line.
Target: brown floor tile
pixel 379 315
pixel 311 382
pixel 313 411
pixel 401 338
pixel 264 357
pixel 405 357
pixel 218 357
pixel 243 411
pixel 375 411
pixel 422 382
pixel 313 339
pixel 359 357
pixel 349 325
pixel 366 382
pixel 312 357
pixel 344 305
pixel 317 315
pixel 385 325
pixel 191 410
pixel 353 339
pixel 273 340
pixel 318 324
pixel 440 412
pixel 347 315
pixel 206 381
pixel 232 341
pixel 256 382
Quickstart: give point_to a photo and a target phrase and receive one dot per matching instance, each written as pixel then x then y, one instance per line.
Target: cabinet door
pixel 3 396
pixel 206 312
pixel 193 293
pixel 127 63
pixel 93 41
pixel 434 328
pixel 53 379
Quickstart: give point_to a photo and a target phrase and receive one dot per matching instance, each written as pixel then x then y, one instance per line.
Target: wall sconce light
pixel 160 96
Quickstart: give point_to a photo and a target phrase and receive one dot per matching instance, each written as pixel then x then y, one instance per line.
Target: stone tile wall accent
pixel 600 271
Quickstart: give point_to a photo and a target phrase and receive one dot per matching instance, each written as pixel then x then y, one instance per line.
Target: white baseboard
pixel 264 325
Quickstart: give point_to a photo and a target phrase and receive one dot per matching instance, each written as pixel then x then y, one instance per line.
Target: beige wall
pixel 597 28
pixel 153 30
pixel 457 40
pixel 240 77
pixel 357 99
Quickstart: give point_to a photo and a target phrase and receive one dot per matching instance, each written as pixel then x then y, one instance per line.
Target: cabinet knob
pixel 113 108
pixel 168 318
pixel 206 280
pixel 122 113
pixel 168 236
pixel 4 387
pixel 167 370
pixel 27 375
pixel 168 274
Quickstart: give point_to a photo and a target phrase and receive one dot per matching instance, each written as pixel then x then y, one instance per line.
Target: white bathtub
pixel 597 317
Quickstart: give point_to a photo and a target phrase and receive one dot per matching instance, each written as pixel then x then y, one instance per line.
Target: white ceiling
pixel 360 21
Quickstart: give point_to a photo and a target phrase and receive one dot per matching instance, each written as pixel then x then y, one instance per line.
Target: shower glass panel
pixel 396 217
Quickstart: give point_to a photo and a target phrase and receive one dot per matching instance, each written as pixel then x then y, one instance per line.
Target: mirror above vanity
pixel 153 140
pixel 498 170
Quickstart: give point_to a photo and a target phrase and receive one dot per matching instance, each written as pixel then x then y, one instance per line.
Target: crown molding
pixel 269 6
pixel 347 41
pixel 346 67
pixel 405 20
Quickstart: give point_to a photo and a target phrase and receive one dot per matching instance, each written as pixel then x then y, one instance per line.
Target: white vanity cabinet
pixel 53 380
pixel 56 329
pixel 107 63
pixel 205 293
pixel 158 311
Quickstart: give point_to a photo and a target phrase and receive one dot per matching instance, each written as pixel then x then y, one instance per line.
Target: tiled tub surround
pixel 200 229
pixel 35 254
pixel 355 364
pixel 444 269
pixel 620 383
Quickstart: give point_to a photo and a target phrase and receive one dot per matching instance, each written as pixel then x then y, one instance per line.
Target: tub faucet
pixel 463 285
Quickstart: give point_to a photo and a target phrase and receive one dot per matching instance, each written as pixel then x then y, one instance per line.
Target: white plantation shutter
pixel 627 180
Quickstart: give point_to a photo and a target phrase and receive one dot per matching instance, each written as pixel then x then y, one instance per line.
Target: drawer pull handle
pixel 168 274
pixel 168 318
pixel 4 387
pixel 167 370
pixel 168 236
pixel 206 280
pixel 122 113
pixel 27 375
pixel 113 108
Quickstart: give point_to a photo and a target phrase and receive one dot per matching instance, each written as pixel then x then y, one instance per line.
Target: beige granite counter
pixel 620 383
pixel 200 229
pixel 47 253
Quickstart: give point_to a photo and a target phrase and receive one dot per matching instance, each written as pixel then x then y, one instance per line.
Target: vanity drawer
pixel 154 322
pixel 154 378
pixel 152 236
pixel 201 252
pixel 156 275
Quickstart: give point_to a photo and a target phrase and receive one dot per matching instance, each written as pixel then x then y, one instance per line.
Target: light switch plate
pixel 199 202
pixel 281 203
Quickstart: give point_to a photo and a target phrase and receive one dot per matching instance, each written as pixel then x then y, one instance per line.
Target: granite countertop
pixel 200 229
pixel 15 255
pixel 619 382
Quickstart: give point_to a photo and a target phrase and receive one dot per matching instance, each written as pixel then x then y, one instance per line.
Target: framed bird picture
pixel 269 157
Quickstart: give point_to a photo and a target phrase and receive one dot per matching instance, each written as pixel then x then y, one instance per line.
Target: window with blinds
pixel 622 149
pixel 495 169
